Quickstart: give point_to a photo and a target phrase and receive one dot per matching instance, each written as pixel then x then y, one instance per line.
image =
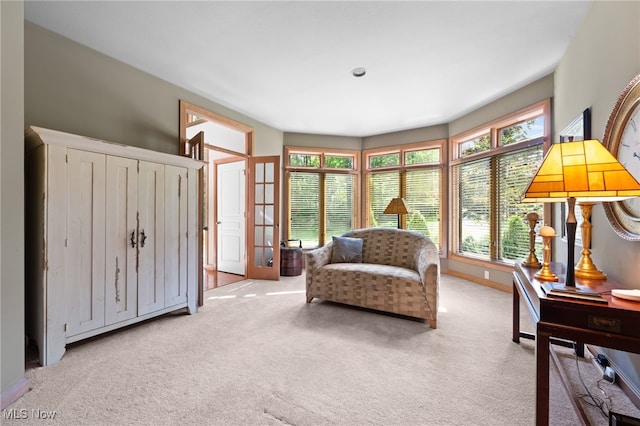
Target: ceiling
pixel 289 64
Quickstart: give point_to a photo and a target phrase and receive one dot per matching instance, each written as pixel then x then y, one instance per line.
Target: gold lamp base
pixel 585 268
pixel 531 260
pixel 545 274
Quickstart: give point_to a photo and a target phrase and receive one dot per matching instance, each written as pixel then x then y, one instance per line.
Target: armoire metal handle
pixel 133 239
pixel 143 238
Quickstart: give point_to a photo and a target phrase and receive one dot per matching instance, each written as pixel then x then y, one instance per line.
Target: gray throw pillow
pixel 347 250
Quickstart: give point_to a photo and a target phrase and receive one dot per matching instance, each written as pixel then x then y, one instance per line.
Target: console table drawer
pixel 590 317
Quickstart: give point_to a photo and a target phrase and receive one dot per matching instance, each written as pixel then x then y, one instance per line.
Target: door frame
pixel 187 109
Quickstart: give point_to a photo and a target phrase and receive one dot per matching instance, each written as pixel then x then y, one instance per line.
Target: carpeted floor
pixel 257 354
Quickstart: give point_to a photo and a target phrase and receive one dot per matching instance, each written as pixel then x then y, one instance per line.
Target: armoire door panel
pixel 121 290
pixel 176 236
pixel 85 241
pixel 151 237
pixel 50 289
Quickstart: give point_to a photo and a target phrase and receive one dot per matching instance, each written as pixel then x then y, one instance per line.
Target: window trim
pixel 322 170
pixel 493 129
pixel 440 144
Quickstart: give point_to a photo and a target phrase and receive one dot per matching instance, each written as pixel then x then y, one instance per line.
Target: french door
pixel 263 248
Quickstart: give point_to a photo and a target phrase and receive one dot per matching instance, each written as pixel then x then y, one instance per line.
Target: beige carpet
pixel 257 354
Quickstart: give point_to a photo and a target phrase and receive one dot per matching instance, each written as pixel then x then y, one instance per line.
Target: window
pixel 413 172
pixel 490 169
pixel 322 196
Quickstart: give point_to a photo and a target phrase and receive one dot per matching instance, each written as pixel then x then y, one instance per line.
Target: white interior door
pixel 231 206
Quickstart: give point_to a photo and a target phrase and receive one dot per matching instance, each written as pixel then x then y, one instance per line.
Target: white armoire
pixel 111 237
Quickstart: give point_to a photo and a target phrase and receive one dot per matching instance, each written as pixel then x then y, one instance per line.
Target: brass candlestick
pixel 585 267
pixel 532 260
pixel 545 274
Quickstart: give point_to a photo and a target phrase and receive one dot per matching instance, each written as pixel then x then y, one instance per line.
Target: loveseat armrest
pixel 427 260
pixel 316 259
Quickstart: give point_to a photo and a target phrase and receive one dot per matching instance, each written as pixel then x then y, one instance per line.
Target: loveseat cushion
pixel 346 273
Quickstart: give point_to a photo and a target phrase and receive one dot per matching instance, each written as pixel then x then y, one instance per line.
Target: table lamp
pixel 397 206
pixel 585 171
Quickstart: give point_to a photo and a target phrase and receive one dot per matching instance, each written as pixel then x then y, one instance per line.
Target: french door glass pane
pixel 259 188
pixel 259 237
pixel 268 193
pixel 259 173
pixel 268 172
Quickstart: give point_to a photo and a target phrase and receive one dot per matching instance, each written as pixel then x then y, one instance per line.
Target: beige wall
pixel 422 134
pixel 528 95
pixel 12 381
pixel 599 63
pixel 72 88
pixel 324 141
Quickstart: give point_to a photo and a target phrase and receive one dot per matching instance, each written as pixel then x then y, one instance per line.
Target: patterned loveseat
pixel 398 271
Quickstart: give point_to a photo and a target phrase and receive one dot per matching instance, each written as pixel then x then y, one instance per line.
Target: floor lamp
pixel 584 171
pixel 397 206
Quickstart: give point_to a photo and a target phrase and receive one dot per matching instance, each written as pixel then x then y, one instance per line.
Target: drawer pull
pixel 604 324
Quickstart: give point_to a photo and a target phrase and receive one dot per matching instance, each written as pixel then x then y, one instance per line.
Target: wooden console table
pixel 613 325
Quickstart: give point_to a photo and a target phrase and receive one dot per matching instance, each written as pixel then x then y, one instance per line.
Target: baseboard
pixel 622 380
pixel 481 281
pixel 13 393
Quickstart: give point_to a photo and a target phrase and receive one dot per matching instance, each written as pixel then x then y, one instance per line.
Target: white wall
pixel 12 344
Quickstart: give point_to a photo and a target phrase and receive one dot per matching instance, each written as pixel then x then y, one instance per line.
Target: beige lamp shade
pixel 397 206
pixel 585 170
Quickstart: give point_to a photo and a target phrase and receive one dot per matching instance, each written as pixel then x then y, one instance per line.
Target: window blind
pixel 339 208
pixel 515 171
pixel 304 200
pixel 473 194
pixel 423 195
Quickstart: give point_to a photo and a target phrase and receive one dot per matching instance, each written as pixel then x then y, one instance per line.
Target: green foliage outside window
pixel 386 160
pixel 304 160
pixel 515 241
pixel 424 156
pixel 479 144
pixel 522 131
pixel 337 162
pixel 477 246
